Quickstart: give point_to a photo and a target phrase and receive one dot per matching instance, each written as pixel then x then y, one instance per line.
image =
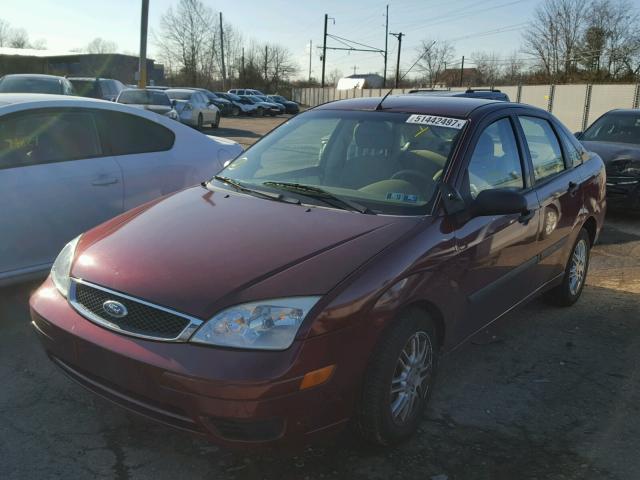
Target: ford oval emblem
pixel 114 309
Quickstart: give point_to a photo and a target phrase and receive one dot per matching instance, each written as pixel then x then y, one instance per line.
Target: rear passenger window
pixel 47 136
pixel 129 134
pixel 546 154
pixel 496 160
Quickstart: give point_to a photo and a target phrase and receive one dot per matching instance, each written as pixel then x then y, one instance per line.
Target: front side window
pixel 617 127
pixel 383 161
pixel 546 154
pixel 495 162
pixel 45 137
pixel 129 134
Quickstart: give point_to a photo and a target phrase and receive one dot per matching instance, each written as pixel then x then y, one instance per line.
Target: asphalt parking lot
pixel 547 394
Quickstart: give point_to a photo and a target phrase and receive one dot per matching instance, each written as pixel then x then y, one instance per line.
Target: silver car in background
pixel 69 163
pixel 155 101
pixel 194 108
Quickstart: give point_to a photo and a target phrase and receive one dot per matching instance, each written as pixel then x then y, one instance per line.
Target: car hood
pixel 617 157
pixel 198 251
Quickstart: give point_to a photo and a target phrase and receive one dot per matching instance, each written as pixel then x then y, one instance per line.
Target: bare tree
pixel 19 38
pixel 434 55
pixel 554 35
pixel 513 68
pixel 5 32
pixel 282 66
pixel 334 76
pixel 100 45
pixel 488 66
pixel 187 38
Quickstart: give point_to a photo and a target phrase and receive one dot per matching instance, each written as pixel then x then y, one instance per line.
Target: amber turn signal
pixel 316 377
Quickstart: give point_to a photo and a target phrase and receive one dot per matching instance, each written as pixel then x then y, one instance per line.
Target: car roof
pixel 36 75
pixel 183 90
pixel 27 101
pixel 411 103
pixel 625 111
pixel 88 78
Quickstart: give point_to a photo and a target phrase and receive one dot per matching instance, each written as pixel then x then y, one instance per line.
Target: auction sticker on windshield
pixel 437 121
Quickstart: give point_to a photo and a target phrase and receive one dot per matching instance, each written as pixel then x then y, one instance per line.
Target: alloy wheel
pixel 578 267
pixel 411 378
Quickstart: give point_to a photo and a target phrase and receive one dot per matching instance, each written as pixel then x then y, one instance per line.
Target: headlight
pixel 62 267
pixel 264 325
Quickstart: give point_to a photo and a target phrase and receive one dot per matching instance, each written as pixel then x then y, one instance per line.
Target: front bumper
pixel 623 192
pixel 235 398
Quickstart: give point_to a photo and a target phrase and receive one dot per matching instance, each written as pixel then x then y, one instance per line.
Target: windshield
pixel 85 87
pixel 615 127
pixel 381 160
pixel 144 97
pixel 30 85
pixel 177 95
pixel 231 96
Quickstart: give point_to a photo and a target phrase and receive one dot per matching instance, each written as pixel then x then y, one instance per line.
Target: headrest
pixel 485 147
pixel 376 135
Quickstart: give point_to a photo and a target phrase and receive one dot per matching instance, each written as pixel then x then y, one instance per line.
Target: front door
pixel 498 254
pixel 55 183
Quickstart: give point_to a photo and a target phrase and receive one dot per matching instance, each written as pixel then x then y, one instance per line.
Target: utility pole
pixel 399 37
pixel 462 71
pixel 324 48
pixel 243 73
pixel 386 39
pixel 266 64
pixel 310 55
pixel 355 67
pixel 224 73
pixel 142 61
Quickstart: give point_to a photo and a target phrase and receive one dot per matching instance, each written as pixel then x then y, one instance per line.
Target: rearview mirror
pixel 498 202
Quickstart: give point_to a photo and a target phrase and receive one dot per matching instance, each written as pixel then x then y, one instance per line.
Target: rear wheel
pixel 260 112
pixel 399 380
pixel 200 124
pixel 216 122
pixel 575 273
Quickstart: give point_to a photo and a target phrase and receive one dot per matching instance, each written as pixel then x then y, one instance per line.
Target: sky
pixel 490 25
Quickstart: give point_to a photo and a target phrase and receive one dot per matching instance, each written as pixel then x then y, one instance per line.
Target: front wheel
pixel 399 380
pixel 235 112
pixel 216 122
pixel 575 273
pixel 200 122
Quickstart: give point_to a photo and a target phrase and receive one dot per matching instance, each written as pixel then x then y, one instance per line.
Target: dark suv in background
pixel 101 88
pixel 488 93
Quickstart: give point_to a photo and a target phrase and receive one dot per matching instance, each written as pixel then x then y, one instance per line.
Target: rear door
pixel 498 254
pixel 56 181
pixel 559 189
pixel 144 151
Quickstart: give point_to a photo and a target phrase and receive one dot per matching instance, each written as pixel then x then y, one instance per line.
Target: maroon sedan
pixel 320 276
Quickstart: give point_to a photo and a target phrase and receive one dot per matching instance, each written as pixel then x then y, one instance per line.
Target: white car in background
pixel 70 163
pixel 194 108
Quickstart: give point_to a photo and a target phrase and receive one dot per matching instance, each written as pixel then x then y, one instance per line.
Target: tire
pixel 200 125
pixel 216 123
pixel 260 112
pixel 380 416
pixel 235 112
pixel 575 273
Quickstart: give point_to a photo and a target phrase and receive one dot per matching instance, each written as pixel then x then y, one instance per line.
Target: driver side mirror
pixel 578 135
pixel 173 103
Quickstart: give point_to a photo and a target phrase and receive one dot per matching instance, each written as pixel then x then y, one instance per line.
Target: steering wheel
pixel 408 175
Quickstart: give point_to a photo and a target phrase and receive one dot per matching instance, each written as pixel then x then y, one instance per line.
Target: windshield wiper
pixel 320 193
pixel 244 189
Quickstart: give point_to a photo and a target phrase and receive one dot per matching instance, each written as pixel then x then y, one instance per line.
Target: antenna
pixel 379 106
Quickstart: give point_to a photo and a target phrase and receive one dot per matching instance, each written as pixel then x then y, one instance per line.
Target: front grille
pixel 247 430
pixel 141 319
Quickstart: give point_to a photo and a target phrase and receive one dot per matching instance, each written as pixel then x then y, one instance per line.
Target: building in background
pixel 108 65
pixel 360 81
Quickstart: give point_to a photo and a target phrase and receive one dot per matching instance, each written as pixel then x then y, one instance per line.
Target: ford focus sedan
pixel 316 280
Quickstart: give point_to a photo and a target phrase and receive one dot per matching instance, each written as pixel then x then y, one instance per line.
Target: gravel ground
pixel 547 394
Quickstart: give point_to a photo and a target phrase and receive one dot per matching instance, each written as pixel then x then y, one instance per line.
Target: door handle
pixel 573 188
pixel 526 216
pixel 104 181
